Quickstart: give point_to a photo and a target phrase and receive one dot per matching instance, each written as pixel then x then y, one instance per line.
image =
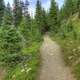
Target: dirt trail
pixel 2 74
pixel 53 66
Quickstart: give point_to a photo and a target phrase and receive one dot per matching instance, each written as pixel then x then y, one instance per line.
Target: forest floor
pixel 53 66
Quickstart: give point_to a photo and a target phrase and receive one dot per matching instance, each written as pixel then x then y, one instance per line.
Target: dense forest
pixel 21 36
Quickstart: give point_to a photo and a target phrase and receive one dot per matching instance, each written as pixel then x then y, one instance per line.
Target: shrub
pixel 10 43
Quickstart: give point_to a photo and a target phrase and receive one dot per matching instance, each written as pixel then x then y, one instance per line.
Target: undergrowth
pixel 27 69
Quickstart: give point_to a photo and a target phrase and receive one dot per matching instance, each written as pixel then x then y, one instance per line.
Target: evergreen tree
pixel 17 12
pixel 24 30
pixel 8 18
pixel 62 13
pixel 45 26
pixel 78 6
pixel 69 7
pixel 26 5
pixel 38 15
pixel 53 16
pixel 41 17
pixel 22 6
pixel 10 45
pixel 2 6
pixel 25 10
pixel 25 26
pixel 26 14
pixel 75 6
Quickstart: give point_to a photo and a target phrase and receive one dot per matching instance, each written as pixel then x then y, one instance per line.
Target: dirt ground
pixel 53 66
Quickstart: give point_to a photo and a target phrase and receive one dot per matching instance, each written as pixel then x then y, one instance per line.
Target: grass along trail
pixel 53 66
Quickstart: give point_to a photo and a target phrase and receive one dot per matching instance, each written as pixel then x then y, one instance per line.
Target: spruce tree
pixel 78 6
pixel 2 6
pixel 26 5
pixel 25 26
pixel 70 7
pixel 44 27
pixel 17 12
pixel 62 13
pixel 10 45
pixel 8 18
pixel 38 15
pixel 26 14
pixel 53 16
pixel 22 6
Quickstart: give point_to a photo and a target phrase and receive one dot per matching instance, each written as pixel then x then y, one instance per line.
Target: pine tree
pixel 10 45
pixel 53 16
pixel 45 26
pixel 22 6
pixel 17 12
pixel 62 13
pixel 78 6
pixel 75 6
pixel 70 7
pixel 38 15
pixel 26 5
pixel 25 26
pixel 23 29
pixel 26 14
pixel 2 6
pixel 8 18
pixel 25 10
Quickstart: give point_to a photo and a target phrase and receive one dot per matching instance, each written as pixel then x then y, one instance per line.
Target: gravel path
pixel 53 66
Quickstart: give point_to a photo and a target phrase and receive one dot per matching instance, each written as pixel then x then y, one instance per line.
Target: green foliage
pixel 40 17
pixel 30 31
pixel 10 43
pixel 78 6
pixel 28 69
pixel 19 45
pixel 67 30
pixel 77 71
pixel 68 9
pixel 53 16
pixel 2 6
pixel 17 13
pixel 25 29
pixel 8 18
pixel 44 21
pixel 35 34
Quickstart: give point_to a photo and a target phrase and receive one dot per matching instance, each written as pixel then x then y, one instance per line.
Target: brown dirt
pixel 53 66
pixel 2 74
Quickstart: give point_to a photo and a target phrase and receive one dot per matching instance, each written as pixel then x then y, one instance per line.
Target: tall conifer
pixel 53 16
pixel 8 18
pixel 17 12
pixel 2 6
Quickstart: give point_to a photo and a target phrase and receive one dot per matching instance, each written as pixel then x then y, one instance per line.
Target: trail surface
pixel 53 66
pixel 2 74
